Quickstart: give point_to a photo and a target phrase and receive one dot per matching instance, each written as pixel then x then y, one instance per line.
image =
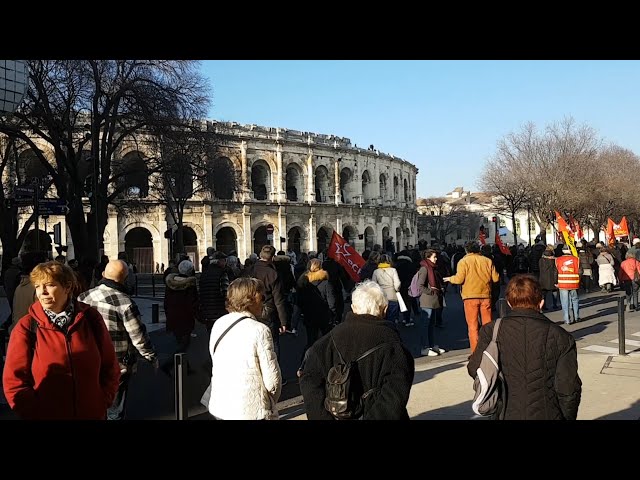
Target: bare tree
pixel 444 218
pixel 97 106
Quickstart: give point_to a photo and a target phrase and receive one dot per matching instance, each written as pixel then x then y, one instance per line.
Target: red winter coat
pixel 73 376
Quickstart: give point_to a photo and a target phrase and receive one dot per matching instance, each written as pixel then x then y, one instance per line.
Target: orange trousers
pixel 472 308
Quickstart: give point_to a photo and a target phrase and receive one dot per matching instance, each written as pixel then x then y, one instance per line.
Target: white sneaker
pixel 438 350
pixel 428 352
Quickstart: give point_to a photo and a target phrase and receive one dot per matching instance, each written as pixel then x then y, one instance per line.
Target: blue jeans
pixel 393 312
pixel 117 409
pixel 568 299
pixel 428 319
pixel 631 289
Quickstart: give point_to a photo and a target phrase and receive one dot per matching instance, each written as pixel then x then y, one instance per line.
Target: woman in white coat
pixel 245 376
pixel 606 273
pixel 387 277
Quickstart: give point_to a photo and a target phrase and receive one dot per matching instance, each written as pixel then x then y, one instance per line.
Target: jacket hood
pixel 318 276
pixel 282 258
pixel 24 280
pixel 176 281
pixel 403 257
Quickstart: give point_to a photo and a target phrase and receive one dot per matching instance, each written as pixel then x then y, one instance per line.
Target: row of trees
pixel 565 167
pixel 85 111
pixel 442 218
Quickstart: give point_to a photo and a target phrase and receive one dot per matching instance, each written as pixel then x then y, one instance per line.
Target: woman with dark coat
pixel 181 304
pixel 538 359
pixel 548 276
pixel 317 300
pixel 431 301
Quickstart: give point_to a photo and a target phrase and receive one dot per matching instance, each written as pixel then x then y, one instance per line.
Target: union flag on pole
pixel 482 235
pixel 346 255
pixel 503 248
pixel 566 232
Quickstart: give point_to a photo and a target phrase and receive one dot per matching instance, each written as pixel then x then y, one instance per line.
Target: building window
pixel 532 225
pixel 459 234
pixel 502 222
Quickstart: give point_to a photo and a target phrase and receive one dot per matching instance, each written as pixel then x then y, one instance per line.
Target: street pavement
pixel 442 388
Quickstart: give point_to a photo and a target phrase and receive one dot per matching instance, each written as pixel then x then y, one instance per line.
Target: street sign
pixel 24 202
pixel 269 229
pixel 53 206
pixel 24 191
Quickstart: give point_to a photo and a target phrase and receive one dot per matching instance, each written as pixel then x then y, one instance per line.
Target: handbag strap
pixel 495 329
pixel 225 332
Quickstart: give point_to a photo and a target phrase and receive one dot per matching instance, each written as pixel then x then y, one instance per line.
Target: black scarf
pixel 113 284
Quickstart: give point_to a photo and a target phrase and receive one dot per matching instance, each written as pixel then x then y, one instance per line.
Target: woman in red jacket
pixel 61 363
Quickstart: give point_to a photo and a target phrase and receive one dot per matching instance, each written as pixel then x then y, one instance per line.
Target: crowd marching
pixel 76 333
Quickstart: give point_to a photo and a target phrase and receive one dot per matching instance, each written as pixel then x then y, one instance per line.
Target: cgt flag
pixel 346 255
pixel 566 232
pixel 503 248
pixel 482 235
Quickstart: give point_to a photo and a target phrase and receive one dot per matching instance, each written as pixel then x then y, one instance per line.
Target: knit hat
pixel 185 267
pixel 636 240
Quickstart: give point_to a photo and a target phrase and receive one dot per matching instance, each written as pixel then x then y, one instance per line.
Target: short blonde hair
pixel 54 271
pixel 315 265
pixel 244 292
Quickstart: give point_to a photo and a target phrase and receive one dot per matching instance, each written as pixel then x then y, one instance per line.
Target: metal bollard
pixel 621 331
pixel 153 285
pixel 180 370
pixel 155 313
pixel 502 307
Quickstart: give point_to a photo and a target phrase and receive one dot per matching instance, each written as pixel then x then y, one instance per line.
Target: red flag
pixel 621 229
pixel 482 235
pixel 503 248
pixel 346 255
pixel 562 224
pixel 610 234
pixel 575 228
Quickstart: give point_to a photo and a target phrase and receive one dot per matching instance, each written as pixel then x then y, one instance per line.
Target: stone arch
pixel 191 240
pixel 226 240
pixel 155 233
pixel 294 182
pixel 398 239
pixel 221 177
pixel 30 167
pixel 322 184
pixel 369 237
pixel 383 185
pixel 323 238
pixel 239 234
pixel 347 183
pixel 406 191
pixel 135 181
pixel 396 190
pixel 261 181
pixel 350 233
pixel 295 239
pixel 138 245
pixel 367 187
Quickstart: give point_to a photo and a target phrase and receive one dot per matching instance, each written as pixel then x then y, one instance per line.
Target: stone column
pixel 245 245
pixel 111 250
pixel 336 181
pixel 312 231
pixel 311 190
pixel 279 177
pixel 244 174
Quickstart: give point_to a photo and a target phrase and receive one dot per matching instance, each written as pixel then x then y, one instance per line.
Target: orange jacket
pixel 568 272
pixel 476 274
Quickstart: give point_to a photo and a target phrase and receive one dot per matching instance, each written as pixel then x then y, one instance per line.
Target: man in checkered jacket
pixel 123 320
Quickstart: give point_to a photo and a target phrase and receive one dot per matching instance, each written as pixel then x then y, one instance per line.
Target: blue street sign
pixel 24 191
pixel 53 206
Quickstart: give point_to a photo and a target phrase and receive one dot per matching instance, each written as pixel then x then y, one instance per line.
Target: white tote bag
pixel 403 306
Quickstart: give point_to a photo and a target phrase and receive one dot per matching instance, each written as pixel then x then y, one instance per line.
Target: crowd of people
pixel 78 332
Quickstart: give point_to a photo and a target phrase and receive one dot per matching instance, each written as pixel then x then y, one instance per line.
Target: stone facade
pixel 301 184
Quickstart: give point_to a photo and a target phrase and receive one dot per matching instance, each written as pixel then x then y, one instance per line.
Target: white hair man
pixel 386 374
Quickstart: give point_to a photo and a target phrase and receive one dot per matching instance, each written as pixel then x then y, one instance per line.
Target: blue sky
pixel 445 117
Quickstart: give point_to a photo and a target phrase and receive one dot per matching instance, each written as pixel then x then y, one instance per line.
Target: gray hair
pixel 368 299
pixel 185 267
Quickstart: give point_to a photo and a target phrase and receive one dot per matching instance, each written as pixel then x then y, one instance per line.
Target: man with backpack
pixel 361 368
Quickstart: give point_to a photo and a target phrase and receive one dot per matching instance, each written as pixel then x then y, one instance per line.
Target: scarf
pixel 384 265
pixel 63 318
pixel 432 274
pixel 113 284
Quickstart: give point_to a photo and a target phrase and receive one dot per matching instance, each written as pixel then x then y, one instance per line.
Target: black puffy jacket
pixel 540 364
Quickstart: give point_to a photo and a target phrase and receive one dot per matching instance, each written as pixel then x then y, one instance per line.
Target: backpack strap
pixel 225 332
pixel 336 347
pixel 371 350
pixel 495 329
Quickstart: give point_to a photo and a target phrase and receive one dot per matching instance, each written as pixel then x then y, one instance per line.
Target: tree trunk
pixel 11 241
pixel 513 223
pixel 178 246
pixel 82 245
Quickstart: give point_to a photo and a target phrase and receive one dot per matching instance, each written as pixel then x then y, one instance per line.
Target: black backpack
pixel 344 396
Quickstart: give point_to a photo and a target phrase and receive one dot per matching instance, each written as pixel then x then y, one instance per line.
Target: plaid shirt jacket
pixel 123 320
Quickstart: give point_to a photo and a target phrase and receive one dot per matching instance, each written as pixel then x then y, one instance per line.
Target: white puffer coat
pixel 245 378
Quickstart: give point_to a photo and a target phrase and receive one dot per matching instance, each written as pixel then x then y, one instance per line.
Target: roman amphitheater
pixel 299 185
